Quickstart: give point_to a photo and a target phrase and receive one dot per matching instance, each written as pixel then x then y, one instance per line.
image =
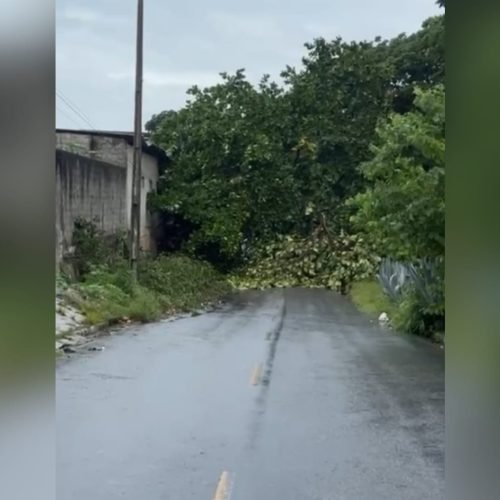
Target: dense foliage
pixel 167 285
pixel 93 247
pixel 417 288
pixel 402 209
pixel 311 182
pixel 105 292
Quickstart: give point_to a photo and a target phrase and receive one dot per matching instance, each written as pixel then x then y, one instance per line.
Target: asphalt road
pixel 286 394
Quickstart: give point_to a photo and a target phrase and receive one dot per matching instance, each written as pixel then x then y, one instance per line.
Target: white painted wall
pixel 150 174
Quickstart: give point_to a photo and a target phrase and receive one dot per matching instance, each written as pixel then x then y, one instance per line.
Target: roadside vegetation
pixel 370 298
pixel 103 290
pixel 321 179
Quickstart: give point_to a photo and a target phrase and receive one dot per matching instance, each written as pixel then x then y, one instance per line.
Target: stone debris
pixel 74 339
pixel 68 318
pixel 70 324
pixel 383 318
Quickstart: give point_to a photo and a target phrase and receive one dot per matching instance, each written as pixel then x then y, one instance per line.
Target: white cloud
pixel 80 14
pixel 188 43
pixel 170 79
pixel 244 25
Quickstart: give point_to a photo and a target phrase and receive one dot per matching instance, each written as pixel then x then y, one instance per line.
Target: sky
pixel 190 42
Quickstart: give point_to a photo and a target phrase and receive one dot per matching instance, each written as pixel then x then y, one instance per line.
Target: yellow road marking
pixel 255 378
pixel 222 487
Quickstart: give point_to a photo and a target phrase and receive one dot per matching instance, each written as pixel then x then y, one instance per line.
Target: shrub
pixel 103 303
pixel 93 247
pixel 393 276
pixel 418 291
pixel 119 275
pixel 414 316
pixel 182 282
pixel 144 305
pixel 167 284
pixel 427 278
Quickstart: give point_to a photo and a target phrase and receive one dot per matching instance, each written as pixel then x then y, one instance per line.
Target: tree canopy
pixel 402 209
pixel 251 163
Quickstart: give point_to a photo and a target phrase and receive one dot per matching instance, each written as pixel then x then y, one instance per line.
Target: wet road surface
pixel 285 394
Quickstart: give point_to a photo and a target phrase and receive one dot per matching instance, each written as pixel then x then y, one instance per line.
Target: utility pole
pixel 135 219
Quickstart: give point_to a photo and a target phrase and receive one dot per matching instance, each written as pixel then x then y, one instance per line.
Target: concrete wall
pixel 112 151
pixel 89 189
pixel 108 149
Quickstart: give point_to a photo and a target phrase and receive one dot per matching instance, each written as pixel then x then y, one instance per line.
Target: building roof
pixel 127 136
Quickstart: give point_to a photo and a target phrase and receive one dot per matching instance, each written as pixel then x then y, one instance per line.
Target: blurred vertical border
pixel 473 250
pixel 27 263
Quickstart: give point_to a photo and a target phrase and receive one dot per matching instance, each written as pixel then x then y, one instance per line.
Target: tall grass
pixel 166 285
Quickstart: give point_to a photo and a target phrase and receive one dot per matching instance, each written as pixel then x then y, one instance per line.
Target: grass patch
pixel 369 297
pixel 182 283
pixel 168 284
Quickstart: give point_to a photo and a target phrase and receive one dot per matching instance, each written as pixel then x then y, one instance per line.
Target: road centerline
pixel 256 375
pixel 222 491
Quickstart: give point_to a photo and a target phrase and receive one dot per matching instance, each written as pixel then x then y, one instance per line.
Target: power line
pixel 61 93
pixel 67 115
pixel 75 110
pixel 74 107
